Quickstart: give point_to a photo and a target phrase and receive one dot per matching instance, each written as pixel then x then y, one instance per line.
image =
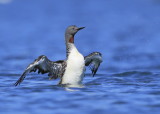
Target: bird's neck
pixel 69 43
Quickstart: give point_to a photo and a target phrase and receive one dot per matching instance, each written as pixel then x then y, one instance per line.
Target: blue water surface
pixel 126 32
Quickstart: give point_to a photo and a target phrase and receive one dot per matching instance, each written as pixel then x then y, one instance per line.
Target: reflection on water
pixel 125 32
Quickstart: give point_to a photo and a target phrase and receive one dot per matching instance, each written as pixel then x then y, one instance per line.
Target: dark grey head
pixel 70 32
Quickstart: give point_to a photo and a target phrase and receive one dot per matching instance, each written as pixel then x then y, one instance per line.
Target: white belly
pixel 74 72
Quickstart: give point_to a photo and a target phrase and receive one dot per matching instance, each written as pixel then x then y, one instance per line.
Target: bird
pixel 71 71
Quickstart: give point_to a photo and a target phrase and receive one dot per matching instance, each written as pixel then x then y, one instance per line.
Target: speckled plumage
pixel 71 70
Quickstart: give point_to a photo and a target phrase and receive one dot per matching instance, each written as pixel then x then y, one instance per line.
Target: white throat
pixel 74 72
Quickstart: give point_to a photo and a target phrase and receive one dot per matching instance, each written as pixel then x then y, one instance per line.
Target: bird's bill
pixel 81 28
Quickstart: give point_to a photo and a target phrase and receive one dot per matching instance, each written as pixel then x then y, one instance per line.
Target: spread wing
pixel 93 60
pixel 44 65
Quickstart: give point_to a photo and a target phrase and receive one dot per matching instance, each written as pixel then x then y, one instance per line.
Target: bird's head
pixel 71 31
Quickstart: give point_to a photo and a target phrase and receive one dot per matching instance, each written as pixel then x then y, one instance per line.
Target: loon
pixel 71 70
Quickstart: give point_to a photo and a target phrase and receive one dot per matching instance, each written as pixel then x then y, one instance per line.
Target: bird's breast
pixel 75 68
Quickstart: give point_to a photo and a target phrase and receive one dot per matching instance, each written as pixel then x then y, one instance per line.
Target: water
pixel 125 32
